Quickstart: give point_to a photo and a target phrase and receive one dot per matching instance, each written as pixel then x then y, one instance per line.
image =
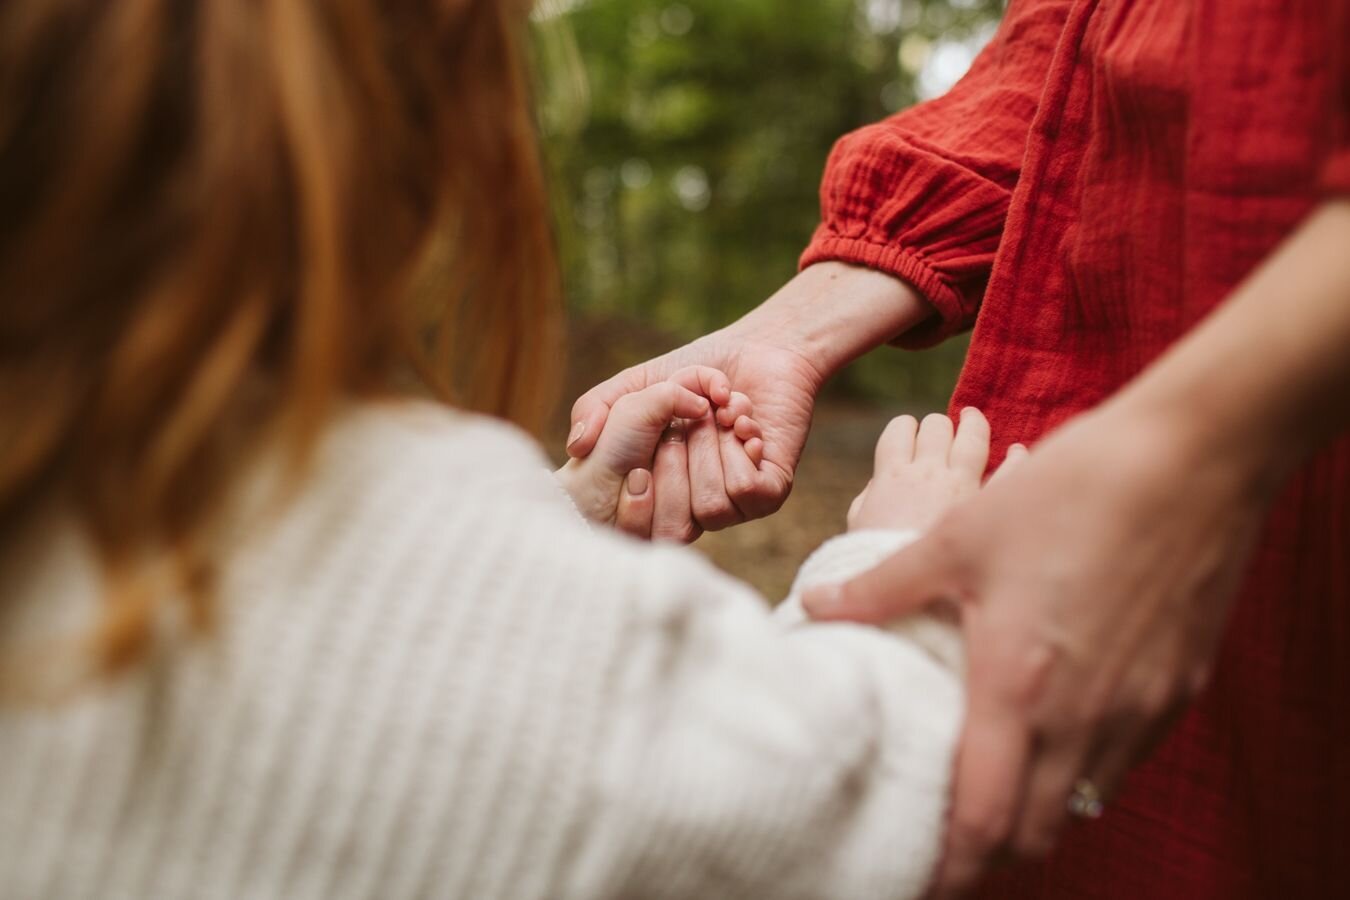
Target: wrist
pixel 831 313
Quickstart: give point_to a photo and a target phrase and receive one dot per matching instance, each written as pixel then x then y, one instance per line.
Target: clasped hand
pixel 703 479
pixel 646 432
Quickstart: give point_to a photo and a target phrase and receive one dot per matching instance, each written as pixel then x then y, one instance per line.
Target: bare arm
pixel 1265 379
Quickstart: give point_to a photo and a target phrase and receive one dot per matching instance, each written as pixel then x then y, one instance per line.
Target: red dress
pixel 1103 177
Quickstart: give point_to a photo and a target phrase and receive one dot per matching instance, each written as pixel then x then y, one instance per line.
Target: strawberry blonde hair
pixel 219 219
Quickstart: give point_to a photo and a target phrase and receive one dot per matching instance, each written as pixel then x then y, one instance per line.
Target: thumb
pixel 636 505
pixel 903 584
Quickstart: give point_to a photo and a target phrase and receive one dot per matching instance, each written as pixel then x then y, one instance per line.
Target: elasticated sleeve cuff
pixel 924 194
pixel 890 202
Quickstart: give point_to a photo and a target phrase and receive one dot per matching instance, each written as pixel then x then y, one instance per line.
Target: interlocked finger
pixel 671 519
pixel 712 507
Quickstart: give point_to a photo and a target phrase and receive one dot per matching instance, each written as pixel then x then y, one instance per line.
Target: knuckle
pixel 706 504
pixel 979 833
pixel 740 485
pixel 1157 697
pixel 708 493
pixel 687 533
pixel 706 517
pixel 1023 676
pixel 714 517
pixel 624 405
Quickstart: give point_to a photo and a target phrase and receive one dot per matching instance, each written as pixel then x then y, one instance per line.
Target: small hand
pixel 921 471
pixel 625 451
pixel 717 490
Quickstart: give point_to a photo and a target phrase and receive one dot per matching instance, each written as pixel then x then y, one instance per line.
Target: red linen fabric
pixel 1103 177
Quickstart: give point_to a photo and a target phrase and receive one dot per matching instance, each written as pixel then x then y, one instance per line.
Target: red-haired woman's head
pixel 219 219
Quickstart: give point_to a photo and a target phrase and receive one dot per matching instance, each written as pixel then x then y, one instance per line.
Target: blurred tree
pixel 686 140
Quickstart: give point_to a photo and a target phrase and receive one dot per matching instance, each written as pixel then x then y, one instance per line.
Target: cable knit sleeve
pixel 754 757
pixel 924 194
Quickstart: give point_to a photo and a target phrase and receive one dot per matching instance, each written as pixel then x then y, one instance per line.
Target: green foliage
pixel 686 140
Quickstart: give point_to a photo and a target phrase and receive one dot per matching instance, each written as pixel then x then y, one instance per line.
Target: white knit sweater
pixel 433 679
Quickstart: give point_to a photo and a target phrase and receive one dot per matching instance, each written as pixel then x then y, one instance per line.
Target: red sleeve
pixel 1336 171
pixel 923 194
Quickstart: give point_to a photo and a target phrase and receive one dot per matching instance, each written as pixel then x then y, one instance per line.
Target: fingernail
pixel 823 598
pixel 577 431
pixel 638 482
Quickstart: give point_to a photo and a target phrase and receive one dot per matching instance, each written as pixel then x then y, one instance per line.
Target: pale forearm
pixel 833 313
pixel 1264 379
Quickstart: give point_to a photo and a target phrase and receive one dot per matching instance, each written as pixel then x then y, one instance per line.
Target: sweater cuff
pixel 849 555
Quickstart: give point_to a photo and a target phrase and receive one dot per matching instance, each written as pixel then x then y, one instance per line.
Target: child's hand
pixel 634 428
pixel 924 470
